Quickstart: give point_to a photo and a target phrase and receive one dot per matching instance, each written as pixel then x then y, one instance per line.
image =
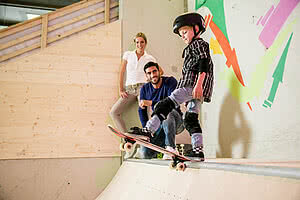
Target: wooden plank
pixel 20 40
pixel 107 11
pixel 72 8
pixel 19 52
pixel 44 31
pixel 53 39
pixel 20 27
pixel 81 17
pixel 70 32
pixel 52 15
pixel 75 19
pixel 85 62
pixel 78 29
pixel 37 33
pixel 54 27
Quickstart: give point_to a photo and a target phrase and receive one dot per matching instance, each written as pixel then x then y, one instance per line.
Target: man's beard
pixel 155 83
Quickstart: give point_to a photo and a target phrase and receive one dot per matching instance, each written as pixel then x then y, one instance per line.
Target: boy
pixel 195 85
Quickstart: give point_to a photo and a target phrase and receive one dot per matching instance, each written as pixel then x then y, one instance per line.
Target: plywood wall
pixel 55 103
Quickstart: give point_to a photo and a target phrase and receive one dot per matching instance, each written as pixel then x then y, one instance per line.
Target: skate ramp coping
pixel 229 179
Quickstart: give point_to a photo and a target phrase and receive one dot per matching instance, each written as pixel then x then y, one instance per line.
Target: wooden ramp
pixel 213 179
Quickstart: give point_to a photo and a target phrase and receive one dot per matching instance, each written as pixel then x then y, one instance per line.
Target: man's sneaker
pixel 168 157
pixel 140 131
pixel 195 153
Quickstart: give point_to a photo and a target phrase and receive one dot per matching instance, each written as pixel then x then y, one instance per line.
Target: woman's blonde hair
pixel 142 35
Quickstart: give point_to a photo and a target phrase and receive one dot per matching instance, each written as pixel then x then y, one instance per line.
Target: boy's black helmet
pixel 189 19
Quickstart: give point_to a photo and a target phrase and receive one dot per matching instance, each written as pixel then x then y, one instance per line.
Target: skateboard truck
pixel 177 164
pixel 127 145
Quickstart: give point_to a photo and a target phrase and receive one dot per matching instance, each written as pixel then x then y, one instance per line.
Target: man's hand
pixel 144 103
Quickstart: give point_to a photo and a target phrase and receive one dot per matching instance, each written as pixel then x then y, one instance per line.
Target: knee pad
pixel 163 108
pixel 191 123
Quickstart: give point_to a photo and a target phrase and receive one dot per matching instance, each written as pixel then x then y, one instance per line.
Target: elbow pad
pixel 203 65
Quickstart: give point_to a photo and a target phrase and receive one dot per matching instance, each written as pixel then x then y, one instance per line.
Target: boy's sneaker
pixel 195 153
pixel 140 131
pixel 168 157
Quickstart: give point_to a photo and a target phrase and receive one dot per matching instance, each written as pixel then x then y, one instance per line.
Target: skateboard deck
pixel 177 159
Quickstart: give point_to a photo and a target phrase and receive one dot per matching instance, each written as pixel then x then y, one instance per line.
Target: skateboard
pixel 177 159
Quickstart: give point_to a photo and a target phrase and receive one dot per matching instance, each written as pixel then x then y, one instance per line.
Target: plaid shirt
pixel 196 50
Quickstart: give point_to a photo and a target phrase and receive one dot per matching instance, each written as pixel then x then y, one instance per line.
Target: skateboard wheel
pixel 172 165
pixel 122 147
pixel 128 147
pixel 180 166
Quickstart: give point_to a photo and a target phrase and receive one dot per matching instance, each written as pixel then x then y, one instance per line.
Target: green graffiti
pixel 259 76
pixel 278 75
pixel 216 8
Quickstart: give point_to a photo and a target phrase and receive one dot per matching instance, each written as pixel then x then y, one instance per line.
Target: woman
pixel 132 66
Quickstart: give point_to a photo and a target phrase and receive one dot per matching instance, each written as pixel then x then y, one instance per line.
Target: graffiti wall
pixel 255 111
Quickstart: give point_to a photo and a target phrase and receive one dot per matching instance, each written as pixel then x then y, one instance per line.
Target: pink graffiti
pixel 258 21
pixel 276 21
pixel 263 21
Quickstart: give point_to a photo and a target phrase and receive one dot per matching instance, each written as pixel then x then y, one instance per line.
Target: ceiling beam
pixel 38 4
pixel 8 22
pixel 26 6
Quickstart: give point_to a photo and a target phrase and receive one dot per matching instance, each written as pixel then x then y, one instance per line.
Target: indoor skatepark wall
pixel 248 121
pixel 228 179
pixel 259 118
pixel 55 104
pixel 54 143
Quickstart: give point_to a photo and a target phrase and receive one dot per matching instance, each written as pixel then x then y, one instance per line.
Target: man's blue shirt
pixel 148 92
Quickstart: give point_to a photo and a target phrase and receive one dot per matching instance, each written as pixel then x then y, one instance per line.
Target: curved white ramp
pixel 139 180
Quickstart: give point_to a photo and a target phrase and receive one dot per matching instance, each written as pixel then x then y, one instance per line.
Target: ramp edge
pixel 275 171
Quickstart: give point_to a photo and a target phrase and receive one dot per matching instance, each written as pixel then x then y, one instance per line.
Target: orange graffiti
pixel 248 103
pixel 229 53
pixel 206 20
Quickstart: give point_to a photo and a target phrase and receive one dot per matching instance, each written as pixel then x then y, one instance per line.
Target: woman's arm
pixel 122 91
pixel 161 71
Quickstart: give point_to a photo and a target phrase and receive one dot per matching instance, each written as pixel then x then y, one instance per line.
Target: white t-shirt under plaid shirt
pixel 198 49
